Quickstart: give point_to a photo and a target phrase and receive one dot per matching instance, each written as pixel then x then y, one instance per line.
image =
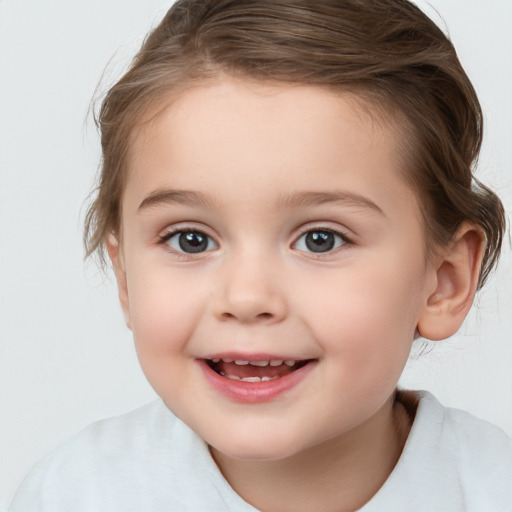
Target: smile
pixel 254 371
pixel 255 380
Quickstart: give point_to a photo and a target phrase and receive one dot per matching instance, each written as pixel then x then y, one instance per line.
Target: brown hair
pixel 387 51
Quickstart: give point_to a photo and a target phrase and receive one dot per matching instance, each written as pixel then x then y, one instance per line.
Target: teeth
pixel 259 363
pixel 243 362
pixel 248 379
pixel 257 379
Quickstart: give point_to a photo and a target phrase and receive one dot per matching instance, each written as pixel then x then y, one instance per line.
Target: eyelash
pixel 164 239
pixel 344 241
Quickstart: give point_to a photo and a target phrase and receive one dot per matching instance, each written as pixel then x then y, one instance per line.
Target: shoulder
pixel 469 459
pixel 108 454
pixel 144 460
pixel 105 442
pixel 472 444
pixel 479 453
pixel 451 461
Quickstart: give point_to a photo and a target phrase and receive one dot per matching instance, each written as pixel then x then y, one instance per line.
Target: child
pixel 287 201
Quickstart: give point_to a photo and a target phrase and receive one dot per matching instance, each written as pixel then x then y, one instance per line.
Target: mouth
pixel 253 371
pixel 257 378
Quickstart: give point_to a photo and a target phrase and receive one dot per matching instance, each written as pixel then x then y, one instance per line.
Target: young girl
pixel 287 201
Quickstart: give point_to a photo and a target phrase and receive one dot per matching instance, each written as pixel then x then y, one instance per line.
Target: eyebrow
pixel 303 199
pixel 167 196
pixel 293 200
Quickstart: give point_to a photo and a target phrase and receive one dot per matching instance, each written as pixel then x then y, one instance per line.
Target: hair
pixel 387 52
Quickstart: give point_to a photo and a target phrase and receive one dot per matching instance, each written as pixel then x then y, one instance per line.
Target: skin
pixel 251 151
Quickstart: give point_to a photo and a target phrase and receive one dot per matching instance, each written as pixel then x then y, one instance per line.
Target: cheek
pixel 370 308
pixel 365 325
pixel 165 307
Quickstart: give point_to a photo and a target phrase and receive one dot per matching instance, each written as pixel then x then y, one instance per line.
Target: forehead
pixel 215 102
pixel 279 134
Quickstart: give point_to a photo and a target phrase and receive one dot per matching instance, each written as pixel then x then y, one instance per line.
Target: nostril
pixel 260 316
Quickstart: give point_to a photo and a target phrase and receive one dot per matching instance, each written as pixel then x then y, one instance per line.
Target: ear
pixel 456 277
pixel 116 256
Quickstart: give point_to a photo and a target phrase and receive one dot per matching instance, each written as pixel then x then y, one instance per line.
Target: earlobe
pixel 116 256
pixel 456 278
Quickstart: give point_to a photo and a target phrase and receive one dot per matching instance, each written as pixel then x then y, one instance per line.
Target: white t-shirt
pixel 148 460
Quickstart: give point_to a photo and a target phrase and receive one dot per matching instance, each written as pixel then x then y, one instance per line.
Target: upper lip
pixel 254 357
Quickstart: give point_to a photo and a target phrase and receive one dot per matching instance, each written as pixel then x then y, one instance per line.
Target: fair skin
pixel 269 223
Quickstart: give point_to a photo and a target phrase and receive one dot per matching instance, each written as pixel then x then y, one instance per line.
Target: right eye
pixel 189 241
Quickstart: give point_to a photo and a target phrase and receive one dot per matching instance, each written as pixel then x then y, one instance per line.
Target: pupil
pixel 193 242
pixel 319 241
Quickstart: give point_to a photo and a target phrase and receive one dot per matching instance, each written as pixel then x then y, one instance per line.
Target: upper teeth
pixel 243 362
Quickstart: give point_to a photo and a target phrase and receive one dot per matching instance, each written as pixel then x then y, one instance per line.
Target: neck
pixel 339 475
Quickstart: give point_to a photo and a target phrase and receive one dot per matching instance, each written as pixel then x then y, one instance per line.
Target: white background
pixel 66 357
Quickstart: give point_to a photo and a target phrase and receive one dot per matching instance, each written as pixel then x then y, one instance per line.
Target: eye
pixel 320 240
pixel 190 242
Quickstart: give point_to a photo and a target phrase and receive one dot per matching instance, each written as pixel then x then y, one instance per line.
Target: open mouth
pixel 255 371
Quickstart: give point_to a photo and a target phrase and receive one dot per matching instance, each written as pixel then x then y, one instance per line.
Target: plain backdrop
pixel 66 357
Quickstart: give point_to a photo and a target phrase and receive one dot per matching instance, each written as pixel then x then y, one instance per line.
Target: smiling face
pixel 269 225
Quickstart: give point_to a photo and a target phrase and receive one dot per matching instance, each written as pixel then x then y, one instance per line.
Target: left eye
pixel 190 242
pixel 319 241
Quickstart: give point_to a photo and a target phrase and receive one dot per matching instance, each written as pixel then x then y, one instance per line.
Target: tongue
pixel 248 370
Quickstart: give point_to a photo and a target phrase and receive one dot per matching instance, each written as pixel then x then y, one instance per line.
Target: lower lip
pixel 254 392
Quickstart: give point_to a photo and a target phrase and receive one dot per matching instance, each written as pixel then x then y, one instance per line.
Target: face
pixel 271 265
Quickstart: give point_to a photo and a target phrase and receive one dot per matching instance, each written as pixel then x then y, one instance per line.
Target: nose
pixel 250 291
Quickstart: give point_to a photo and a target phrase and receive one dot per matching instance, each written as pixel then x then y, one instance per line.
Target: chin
pixel 261 449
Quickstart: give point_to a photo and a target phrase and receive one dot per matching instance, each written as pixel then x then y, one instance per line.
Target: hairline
pixel 372 105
